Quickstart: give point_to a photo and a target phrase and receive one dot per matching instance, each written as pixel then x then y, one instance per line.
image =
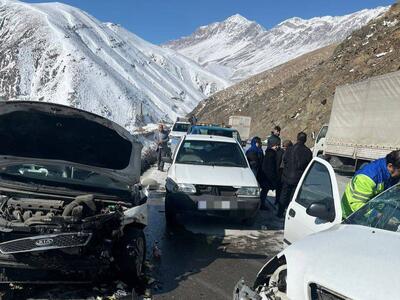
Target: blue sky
pixel 161 20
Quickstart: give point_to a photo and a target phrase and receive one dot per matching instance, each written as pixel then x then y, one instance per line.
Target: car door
pixel 317 185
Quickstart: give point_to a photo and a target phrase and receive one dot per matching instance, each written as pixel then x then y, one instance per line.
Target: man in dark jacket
pixel 274 138
pixel 295 161
pixel 279 165
pixel 268 175
pixel 255 155
pixel 161 138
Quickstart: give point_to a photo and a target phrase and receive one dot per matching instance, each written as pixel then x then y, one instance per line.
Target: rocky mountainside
pixel 245 48
pixel 303 101
pixel 57 53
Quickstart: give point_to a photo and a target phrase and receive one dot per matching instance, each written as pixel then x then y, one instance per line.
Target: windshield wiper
pixel 189 162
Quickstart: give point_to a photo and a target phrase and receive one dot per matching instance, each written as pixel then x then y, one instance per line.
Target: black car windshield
pixel 211 153
pixel 181 127
pixel 60 175
pixel 382 212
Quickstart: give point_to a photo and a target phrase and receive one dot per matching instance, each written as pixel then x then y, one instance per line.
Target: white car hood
pixel 210 175
pixel 355 261
pixel 37 132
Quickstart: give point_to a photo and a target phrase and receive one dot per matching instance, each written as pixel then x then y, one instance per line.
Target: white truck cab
pixel 319 145
pixel 178 130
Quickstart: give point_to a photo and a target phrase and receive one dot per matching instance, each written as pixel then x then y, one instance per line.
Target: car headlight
pixel 186 188
pixel 248 192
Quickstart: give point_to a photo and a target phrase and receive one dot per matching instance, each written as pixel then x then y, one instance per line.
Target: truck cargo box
pixel 242 125
pixel 364 121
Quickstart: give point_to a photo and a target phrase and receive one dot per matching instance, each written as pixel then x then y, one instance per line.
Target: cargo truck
pixel 242 125
pixel 364 123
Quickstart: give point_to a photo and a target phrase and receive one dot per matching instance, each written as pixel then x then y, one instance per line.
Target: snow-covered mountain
pixel 58 53
pixel 237 48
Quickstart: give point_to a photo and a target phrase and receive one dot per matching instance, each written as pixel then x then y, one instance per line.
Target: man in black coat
pixel 279 165
pixel 268 175
pixel 295 161
pixel 255 155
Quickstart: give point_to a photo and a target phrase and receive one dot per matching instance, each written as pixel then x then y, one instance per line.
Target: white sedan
pixel 210 175
pixel 351 259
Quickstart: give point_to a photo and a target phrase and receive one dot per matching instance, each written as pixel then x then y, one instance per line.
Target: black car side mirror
pixel 167 160
pixel 321 211
pixel 244 143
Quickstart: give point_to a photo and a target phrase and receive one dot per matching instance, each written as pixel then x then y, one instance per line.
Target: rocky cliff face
pixel 237 48
pixel 303 101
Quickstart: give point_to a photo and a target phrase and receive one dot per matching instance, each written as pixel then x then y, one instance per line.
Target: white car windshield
pixel 382 212
pixel 211 153
pixel 181 127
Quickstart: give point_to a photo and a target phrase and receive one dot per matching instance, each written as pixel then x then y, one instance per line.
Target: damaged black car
pixel 71 204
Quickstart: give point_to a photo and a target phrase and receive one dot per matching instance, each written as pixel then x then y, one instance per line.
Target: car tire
pixel 131 255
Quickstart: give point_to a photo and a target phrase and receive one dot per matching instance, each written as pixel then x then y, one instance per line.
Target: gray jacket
pixel 163 137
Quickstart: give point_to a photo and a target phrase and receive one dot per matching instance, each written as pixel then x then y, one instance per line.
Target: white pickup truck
pixel 364 123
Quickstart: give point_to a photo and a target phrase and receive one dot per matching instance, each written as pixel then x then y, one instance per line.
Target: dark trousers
pixel 285 197
pixel 161 152
pixel 263 197
pixel 278 192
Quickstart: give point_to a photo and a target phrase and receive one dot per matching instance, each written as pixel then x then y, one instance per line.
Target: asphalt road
pixel 206 257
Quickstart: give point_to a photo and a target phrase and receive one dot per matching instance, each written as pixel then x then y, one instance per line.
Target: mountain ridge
pixel 302 101
pixel 246 48
pixel 54 52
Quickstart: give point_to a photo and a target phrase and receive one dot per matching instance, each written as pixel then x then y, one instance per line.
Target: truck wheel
pixel 131 255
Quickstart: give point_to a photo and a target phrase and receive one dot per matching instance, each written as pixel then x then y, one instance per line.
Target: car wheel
pixel 132 255
pixel 277 282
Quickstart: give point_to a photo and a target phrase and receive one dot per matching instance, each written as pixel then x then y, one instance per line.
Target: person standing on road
pixel 161 138
pixel 274 138
pixel 279 165
pixel 192 120
pixel 370 181
pixel 255 155
pixel 268 175
pixel 295 161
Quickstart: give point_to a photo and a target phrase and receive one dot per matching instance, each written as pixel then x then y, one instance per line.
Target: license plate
pixel 212 205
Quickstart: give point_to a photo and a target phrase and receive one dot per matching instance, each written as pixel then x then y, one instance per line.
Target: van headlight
pixel 186 188
pixel 248 192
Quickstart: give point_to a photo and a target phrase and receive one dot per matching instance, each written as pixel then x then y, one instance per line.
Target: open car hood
pixel 43 132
